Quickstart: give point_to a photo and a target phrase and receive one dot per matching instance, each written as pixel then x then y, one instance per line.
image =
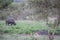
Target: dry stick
pixel 55 28
pixel 48 28
pixel 54 32
pixel 51 36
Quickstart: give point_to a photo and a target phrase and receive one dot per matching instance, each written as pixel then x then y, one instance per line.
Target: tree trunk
pixel 51 35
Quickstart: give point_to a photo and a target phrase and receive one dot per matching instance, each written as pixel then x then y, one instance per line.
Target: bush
pixel 5 3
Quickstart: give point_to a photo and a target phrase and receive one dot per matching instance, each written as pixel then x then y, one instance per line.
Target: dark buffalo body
pixel 10 21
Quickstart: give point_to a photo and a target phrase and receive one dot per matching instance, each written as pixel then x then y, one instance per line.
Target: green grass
pixel 23 27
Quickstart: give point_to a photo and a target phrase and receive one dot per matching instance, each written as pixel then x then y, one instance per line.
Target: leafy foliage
pixel 4 3
pixel 45 3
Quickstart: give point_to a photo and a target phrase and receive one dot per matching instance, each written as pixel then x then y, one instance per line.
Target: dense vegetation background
pixel 30 16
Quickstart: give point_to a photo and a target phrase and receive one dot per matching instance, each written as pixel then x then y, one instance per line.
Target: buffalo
pixel 10 21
